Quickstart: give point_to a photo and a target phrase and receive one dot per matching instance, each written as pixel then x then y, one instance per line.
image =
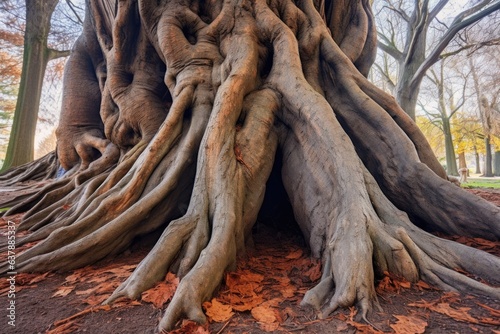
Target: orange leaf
pixel 63 291
pixel 38 278
pixel 295 254
pixel 217 311
pixel 269 327
pixel 264 314
pixel 161 293
pixel 191 327
pixel 459 314
pixel 493 311
pixel 423 285
pixel 314 273
pixel 409 325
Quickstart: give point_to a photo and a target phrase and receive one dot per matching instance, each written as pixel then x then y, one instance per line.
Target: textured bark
pixel 198 102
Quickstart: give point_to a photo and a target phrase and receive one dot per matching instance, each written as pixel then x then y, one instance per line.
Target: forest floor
pixel 262 295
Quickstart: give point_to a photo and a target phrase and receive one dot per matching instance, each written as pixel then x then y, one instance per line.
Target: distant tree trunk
pixel 488 161
pixel 451 160
pixel 478 160
pixel 496 164
pixel 36 56
pixel 462 163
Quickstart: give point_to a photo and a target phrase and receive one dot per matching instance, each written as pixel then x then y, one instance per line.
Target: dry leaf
pixel 494 312
pixel 191 327
pixel 314 272
pixel 269 327
pixel 422 285
pixel 94 300
pixel 264 314
pixel 217 311
pixel 161 293
pixel 63 291
pixel 295 254
pixel 409 325
pixel 459 314
pixel 66 328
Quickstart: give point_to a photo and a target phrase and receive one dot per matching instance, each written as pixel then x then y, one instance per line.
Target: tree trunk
pixel 488 161
pixel 451 160
pixel 36 56
pixel 478 161
pixel 198 102
pixel 496 164
pixel 462 163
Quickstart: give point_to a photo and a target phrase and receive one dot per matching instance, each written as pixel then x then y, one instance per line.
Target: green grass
pixel 482 183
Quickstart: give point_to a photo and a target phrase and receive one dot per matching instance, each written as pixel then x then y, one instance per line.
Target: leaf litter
pixel 265 290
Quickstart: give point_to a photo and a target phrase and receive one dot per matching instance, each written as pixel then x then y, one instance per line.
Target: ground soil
pixel 262 295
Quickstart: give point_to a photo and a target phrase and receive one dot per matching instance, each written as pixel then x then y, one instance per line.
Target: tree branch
pixel 456 26
pixel 400 12
pixel 390 49
pixel 72 7
pixel 474 46
pixel 54 54
pixel 439 6
pixel 385 75
pixel 421 15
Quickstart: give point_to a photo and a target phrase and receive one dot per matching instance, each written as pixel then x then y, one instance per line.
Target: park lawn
pixel 493 183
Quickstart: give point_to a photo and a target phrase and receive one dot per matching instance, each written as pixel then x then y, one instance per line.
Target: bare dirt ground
pixel 262 295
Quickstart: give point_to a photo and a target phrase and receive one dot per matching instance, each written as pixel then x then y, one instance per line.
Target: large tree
pixel 174 115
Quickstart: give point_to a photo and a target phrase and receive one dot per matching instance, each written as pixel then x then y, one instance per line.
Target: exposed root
pixel 42 169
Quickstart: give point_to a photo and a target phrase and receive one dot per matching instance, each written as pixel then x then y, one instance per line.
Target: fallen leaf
pixel 422 285
pixel 459 314
pixel 269 327
pixel 160 294
pixel 314 272
pixel 409 325
pixel 264 314
pixel 191 327
pixel 295 254
pixel 217 311
pixel 39 278
pixel 63 291
pixel 66 328
pixel 494 312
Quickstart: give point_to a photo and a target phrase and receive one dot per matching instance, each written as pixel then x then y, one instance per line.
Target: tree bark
pixel 496 164
pixel 488 158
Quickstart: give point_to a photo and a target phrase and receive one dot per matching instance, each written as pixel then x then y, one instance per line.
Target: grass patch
pixel 482 183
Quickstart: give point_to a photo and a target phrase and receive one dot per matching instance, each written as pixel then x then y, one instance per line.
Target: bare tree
pixel 411 33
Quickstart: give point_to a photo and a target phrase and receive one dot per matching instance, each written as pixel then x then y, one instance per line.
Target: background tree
pixel 410 32
pixel 449 101
pixel 37 53
pixel 468 132
pixel 486 83
pixel 11 42
pixel 176 117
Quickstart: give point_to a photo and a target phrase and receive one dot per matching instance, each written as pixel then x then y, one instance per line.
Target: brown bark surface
pixel 197 102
